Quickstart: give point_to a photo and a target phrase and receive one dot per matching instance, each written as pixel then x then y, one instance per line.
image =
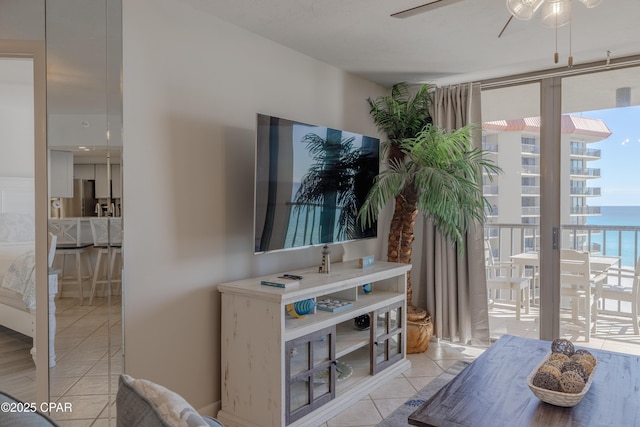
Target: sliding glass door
pixel 600 207
pixel 511 137
pixel 568 147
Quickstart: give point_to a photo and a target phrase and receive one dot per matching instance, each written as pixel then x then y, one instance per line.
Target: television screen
pixel 310 184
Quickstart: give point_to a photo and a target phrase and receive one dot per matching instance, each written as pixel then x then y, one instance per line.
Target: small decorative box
pixel 366 261
pixel 333 305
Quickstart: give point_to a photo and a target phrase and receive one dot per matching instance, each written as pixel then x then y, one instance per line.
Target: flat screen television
pixel 310 184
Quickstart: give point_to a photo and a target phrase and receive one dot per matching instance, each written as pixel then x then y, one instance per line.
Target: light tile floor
pixel 88 350
pixel 84 360
pixel 612 333
pixel 387 398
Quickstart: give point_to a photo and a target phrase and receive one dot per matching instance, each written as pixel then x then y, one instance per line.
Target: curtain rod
pixel 591 67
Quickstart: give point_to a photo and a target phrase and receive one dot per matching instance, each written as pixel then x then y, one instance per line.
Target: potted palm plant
pixel 428 171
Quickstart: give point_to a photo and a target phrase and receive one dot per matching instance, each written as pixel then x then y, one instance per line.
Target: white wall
pixel 192 87
pixel 16 117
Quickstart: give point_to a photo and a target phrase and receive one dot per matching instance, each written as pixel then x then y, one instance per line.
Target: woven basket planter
pixel 419 330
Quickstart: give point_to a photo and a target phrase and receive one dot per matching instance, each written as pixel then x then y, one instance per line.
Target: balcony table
pixel 493 391
pixel 598 263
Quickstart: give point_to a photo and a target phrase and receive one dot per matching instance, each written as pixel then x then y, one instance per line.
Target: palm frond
pixel 446 170
pixel 389 183
pixel 401 115
pixel 329 183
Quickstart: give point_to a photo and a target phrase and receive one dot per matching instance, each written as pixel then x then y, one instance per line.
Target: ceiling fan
pixel 521 9
pixel 434 4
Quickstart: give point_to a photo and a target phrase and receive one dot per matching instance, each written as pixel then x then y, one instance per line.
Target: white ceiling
pixel 455 43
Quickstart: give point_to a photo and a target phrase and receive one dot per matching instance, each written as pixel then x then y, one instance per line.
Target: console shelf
pixel 279 370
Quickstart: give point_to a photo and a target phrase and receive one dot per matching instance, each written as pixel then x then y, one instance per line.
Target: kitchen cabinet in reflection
pixel 106 188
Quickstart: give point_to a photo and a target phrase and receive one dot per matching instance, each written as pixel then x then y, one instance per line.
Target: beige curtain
pixel 456 290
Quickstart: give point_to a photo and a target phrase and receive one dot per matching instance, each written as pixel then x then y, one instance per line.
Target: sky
pixel 620 157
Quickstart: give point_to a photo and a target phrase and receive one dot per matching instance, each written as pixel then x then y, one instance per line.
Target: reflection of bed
pixel 17 261
pixel 10 254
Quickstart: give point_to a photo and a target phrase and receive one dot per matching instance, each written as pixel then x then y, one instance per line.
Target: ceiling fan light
pixel 555 13
pixel 523 9
pixel 591 3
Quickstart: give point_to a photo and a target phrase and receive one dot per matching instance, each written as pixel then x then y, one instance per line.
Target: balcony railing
pixel 530 210
pixel 531 149
pixel 531 189
pixel 531 170
pixel 585 210
pixel 589 152
pixel 493 148
pixel 588 172
pixel 608 240
pixel 585 191
pixel 492 212
pixel 489 190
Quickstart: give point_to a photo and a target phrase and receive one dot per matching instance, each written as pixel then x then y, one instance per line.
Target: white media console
pixel 280 370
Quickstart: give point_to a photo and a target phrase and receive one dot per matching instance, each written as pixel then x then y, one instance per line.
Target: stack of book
pixel 281 282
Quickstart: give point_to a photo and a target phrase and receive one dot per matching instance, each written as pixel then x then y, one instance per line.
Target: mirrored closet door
pixel 84 141
pixel 61 189
pixel 17 225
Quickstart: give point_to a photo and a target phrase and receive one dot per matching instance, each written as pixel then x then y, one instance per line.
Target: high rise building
pixel 515 195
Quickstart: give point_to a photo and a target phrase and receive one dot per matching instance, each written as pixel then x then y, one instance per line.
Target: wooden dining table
pixel 493 391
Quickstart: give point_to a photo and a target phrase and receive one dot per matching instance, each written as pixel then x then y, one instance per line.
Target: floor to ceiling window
pixel 600 212
pixel 512 139
pixel 589 145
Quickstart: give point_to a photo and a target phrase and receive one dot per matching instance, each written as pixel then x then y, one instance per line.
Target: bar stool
pixel 69 243
pixel 107 239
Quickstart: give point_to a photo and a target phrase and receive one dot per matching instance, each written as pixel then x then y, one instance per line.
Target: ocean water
pixel 626 243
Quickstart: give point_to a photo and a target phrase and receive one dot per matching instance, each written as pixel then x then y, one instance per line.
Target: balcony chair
pixel 622 293
pixel 579 284
pixel 107 239
pixel 501 277
pixel 69 243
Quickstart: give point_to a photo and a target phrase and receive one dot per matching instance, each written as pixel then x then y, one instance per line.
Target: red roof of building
pixel 571 125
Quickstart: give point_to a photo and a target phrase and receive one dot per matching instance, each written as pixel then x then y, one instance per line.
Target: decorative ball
pixel 546 380
pixel 588 366
pixel 571 382
pixel 362 322
pixel 561 345
pixel 304 307
pixel 557 363
pixel 576 357
pixel 547 367
pixel 587 356
pixel 577 368
pixel 559 356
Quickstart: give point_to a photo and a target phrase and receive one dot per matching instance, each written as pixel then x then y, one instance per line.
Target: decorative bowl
pixel 558 398
pixel 304 307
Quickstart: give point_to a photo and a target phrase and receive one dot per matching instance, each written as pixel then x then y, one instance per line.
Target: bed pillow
pixel 17 227
pixel 143 403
